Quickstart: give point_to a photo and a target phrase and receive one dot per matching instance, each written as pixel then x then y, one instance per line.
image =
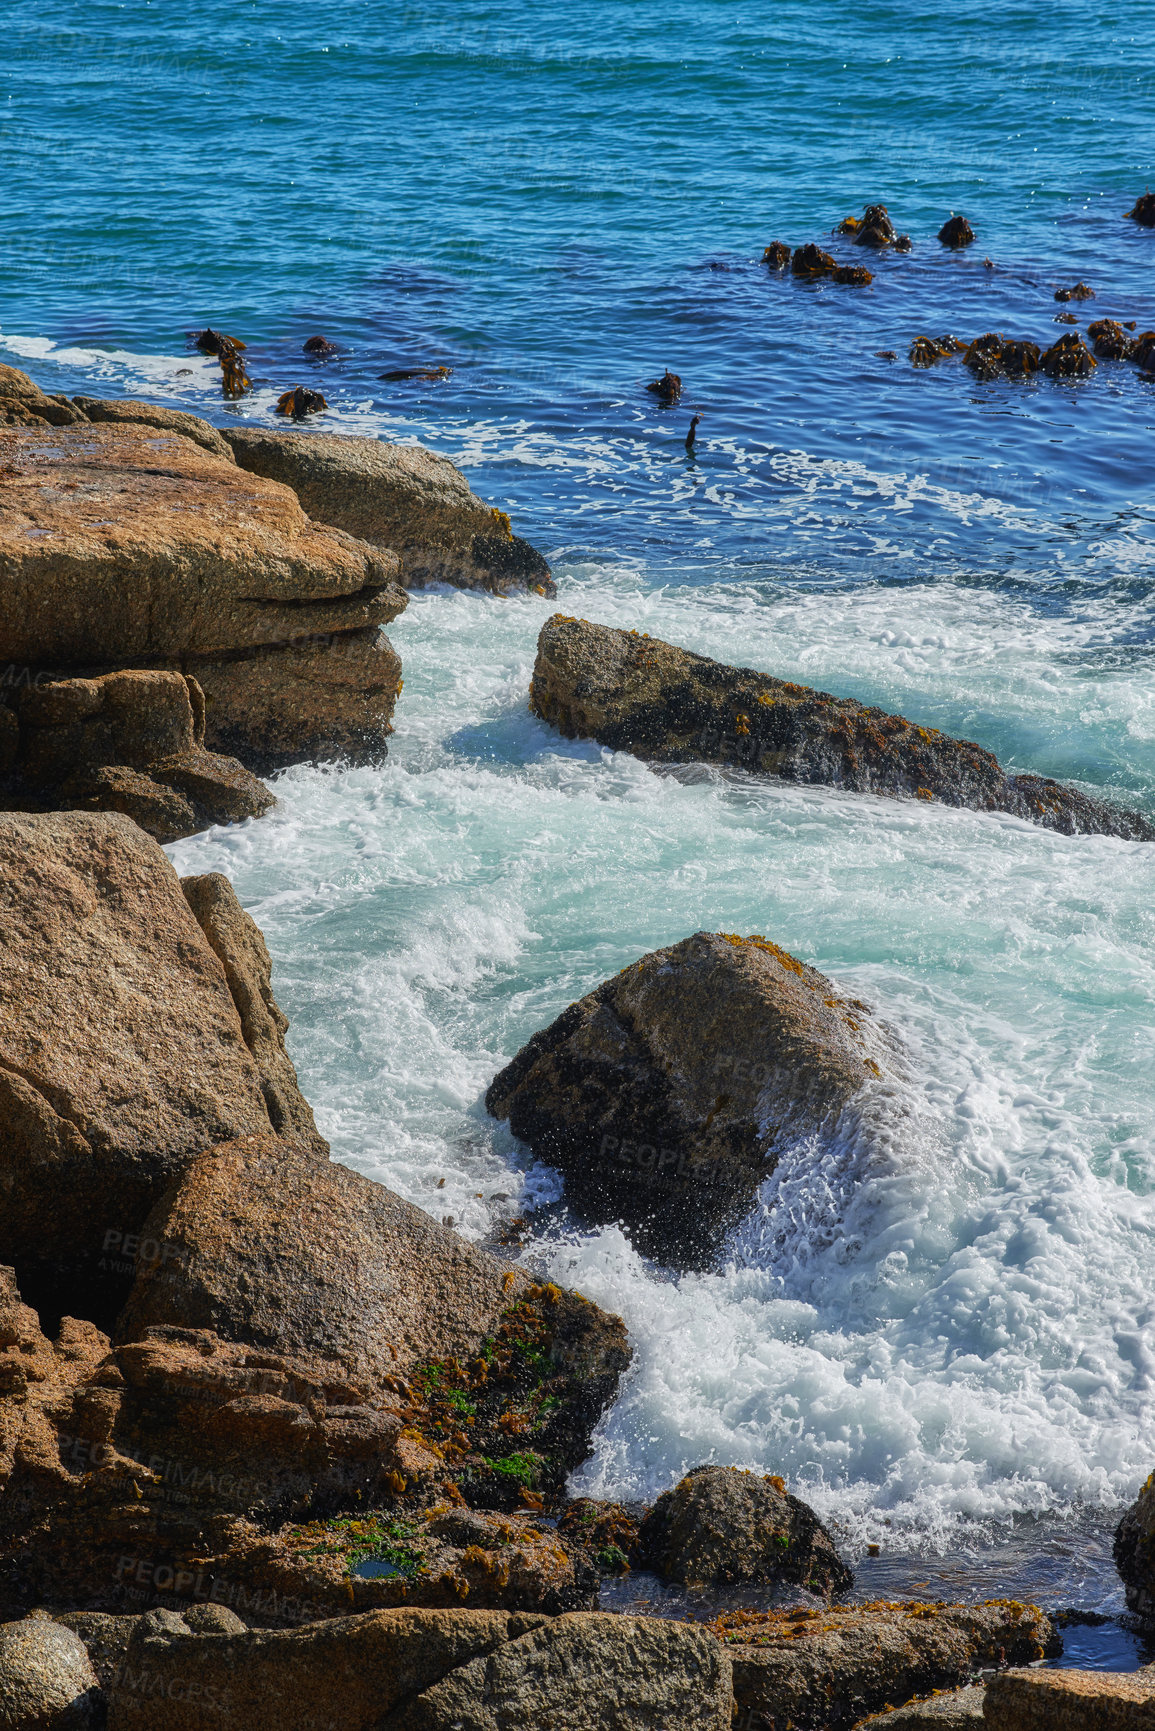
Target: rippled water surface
pixel 950 1332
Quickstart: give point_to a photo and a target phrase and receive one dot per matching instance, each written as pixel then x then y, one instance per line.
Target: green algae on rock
pixel 636 693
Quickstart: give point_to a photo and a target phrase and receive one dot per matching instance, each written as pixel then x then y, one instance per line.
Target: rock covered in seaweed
pixel 402 498
pixel 724 1527
pixel 635 693
pixel 665 1096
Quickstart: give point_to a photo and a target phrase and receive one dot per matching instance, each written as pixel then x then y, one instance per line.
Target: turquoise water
pixel 947 1323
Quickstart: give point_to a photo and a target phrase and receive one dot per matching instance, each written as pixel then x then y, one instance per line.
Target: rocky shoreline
pixel 276 1448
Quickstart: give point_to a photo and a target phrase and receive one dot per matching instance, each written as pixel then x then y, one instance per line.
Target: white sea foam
pixel 950 1318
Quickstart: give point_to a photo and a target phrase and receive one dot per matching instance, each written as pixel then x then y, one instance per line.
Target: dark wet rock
pixel 949 1710
pixel 667 389
pixel 1081 291
pixel 122 1053
pixel 319 347
pixel 666 1095
pixel 777 255
pixel 956 232
pixel 402 498
pixel 1070 1700
pixel 1068 358
pixel 131 742
pixel 1135 1552
pixel 824 1670
pixel 1110 340
pixel 812 261
pixel 1143 210
pixel 851 274
pixel 606 1532
pixel 636 693
pixel 121 411
pixel 301 401
pixel 47 1682
pixel 724 1527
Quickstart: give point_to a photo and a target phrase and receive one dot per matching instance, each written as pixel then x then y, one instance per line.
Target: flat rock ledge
pixel 635 693
pixel 666 1096
pixel 1071 1700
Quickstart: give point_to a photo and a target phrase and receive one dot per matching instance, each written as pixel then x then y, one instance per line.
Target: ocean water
pixel 941 1333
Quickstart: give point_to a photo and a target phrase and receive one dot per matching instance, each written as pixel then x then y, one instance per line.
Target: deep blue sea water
pixel 950 1332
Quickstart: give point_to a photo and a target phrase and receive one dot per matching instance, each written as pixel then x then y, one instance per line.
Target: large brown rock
pixel 122 1052
pixel 1070 1700
pixel 823 1670
pixel 46 1680
pixel 1135 1552
pixel 389 1670
pixel 131 742
pixel 128 409
pixel 402 497
pixel 24 404
pixel 587 1672
pixel 329 698
pixel 271 1248
pixel 121 543
pixel 666 1096
pixel 635 693
pixel 724 1527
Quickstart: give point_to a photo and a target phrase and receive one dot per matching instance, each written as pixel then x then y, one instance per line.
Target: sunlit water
pixel 942 1329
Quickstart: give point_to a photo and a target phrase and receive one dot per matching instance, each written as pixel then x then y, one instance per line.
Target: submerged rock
pixel 824 1670
pixel 1068 358
pixel 1143 210
pixel 131 742
pixel 321 347
pixel 401 498
pixel 635 693
pixel 956 232
pixel 1082 291
pixel 777 255
pixel 122 1054
pixel 724 1527
pixel 665 1096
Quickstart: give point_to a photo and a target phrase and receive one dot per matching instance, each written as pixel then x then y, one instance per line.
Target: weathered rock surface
pixel 403 1669
pixel 827 1669
pixel 320 697
pixel 724 1527
pixel 121 410
pixel 124 542
pixel 122 1052
pixel 949 1710
pixel 24 404
pixel 402 497
pixel 348 1672
pixel 635 693
pixel 131 742
pixel 1135 1552
pixel 1070 1701
pixel 587 1672
pixel 666 1095
pixel 46 1680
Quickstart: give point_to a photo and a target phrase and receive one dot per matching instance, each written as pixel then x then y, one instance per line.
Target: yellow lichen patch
pixel 501 519
pixel 783 957
pixel 924 793
pixel 741 723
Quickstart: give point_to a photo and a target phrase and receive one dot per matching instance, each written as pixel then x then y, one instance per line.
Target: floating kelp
pixel 851 273
pixel 1144 211
pixel 210 342
pixel 1069 358
pixel 777 255
pixel 398 374
pixel 956 232
pixel 320 347
pixel 1110 340
pixel 667 389
pixel 811 261
pixel 234 379
pixel 1065 319
pixel 301 402
pixel 874 228
pixel 1082 291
